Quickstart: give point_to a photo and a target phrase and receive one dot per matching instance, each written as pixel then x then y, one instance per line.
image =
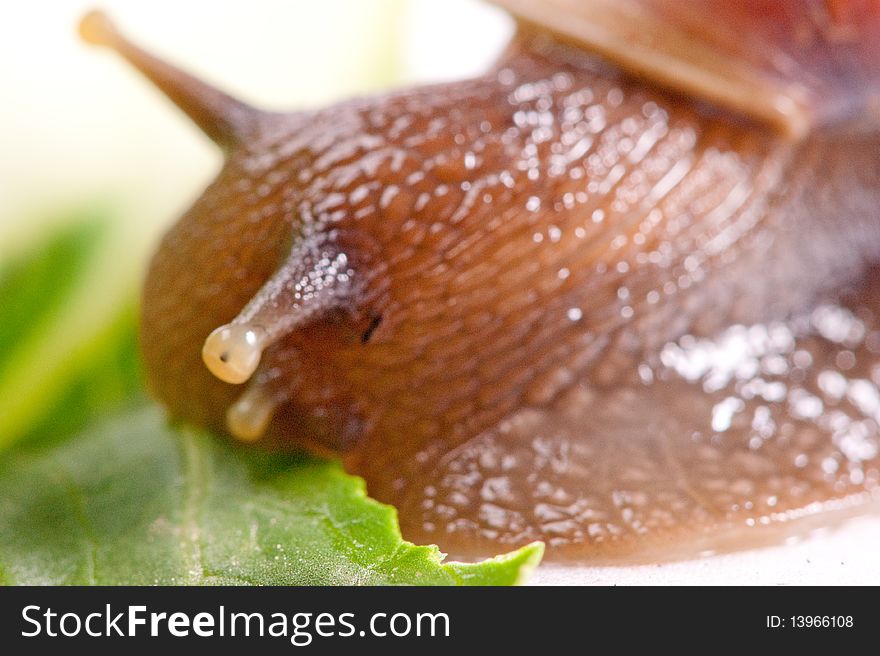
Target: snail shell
pixel 618 294
pixel 795 65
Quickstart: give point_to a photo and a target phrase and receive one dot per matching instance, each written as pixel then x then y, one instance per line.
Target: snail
pixel 619 294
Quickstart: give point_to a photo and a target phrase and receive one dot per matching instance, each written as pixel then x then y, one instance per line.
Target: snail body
pixel 503 301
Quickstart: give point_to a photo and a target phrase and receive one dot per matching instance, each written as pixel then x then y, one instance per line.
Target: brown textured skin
pixel 532 241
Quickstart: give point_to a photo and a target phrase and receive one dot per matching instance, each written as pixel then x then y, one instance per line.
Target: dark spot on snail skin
pixel 556 302
pixel 368 333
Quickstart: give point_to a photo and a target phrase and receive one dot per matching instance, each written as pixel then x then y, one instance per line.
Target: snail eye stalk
pixel 226 120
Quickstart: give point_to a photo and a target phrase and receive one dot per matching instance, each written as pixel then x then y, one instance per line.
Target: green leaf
pixel 133 501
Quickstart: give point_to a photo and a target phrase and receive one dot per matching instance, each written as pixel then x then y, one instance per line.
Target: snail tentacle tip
pixel 95 27
pixel 249 416
pixel 224 119
pixel 232 352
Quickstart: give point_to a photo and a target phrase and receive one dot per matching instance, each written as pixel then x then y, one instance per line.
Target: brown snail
pixel 620 293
